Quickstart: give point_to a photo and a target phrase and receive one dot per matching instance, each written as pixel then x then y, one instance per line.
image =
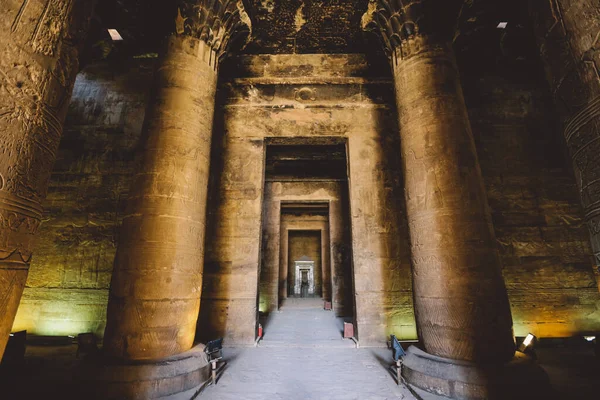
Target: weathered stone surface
pixel 39 53
pixel 461 304
pixel 84 207
pixel 408 27
pixel 306 26
pixel 233 251
pixel 567 33
pixel 217 24
pixel 252 115
pixel 157 281
pixel 179 377
pixel 161 241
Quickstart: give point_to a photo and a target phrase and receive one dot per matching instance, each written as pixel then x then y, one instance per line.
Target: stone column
pixel 157 279
pixel 326 262
pixel 283 264
pixel 39 59
pixel 461 305
pixel 567 34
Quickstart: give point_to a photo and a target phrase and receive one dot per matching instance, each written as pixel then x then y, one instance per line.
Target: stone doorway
pixel 304 284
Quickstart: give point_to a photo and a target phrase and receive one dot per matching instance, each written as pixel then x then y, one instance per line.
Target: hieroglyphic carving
pixel 19 221
pixel 38 65
pixel 32 101
pixel 461 304
pixel 218 23
pixel 37 70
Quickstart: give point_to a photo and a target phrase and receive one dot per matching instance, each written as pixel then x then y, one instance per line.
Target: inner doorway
pixel 304 284
pixel 307 266
pixel 306 289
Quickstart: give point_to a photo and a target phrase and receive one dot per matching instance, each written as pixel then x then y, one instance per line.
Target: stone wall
pixel 67 288
pixel 317 98
pixel 567 33
pixel 539 224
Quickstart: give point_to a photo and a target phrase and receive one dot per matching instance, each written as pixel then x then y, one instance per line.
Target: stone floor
pixel 303 356
pixel 304 323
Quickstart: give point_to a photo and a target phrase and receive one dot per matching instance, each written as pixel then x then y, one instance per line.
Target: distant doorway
pixel 305 264
pixel 304 285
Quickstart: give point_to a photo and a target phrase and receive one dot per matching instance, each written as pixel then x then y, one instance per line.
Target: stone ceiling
pixel 307 26
pixel 300 26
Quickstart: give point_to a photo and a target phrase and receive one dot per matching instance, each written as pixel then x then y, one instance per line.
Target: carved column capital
pixel 407 26
pixel 218 23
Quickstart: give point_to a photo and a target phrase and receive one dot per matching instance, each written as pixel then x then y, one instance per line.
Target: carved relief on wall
pixel 305 94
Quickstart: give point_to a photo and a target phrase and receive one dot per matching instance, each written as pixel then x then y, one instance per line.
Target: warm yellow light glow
pixel 528 340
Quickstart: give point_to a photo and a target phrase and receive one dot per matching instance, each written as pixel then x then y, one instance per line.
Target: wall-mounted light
pixel 115 35
pixel 590 338
pixel 502 25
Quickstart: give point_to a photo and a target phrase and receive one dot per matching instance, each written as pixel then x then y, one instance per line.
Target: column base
pixel 180 377
pixel 432 378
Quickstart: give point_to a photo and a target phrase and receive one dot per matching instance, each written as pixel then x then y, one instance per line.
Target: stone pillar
pixel 567 34
pixel 160 253
pixel 283 264
pixel 326 262
pixel 461 305
pixel 157 279
pixel 39 59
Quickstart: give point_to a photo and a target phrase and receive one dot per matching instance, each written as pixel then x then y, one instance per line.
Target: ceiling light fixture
pixel 115 35
pixel 502 25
